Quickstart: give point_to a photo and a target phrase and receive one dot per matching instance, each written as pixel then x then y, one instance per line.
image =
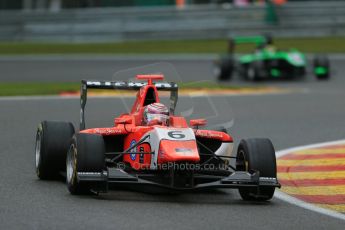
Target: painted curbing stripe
pixel 311 175
pixel 315 190
pixel 313 156
pixel 318 151
pixel 304 147
pixel 282 169
pixel 334 147
pixel 292 200
pixel 312 162
pixel 313 182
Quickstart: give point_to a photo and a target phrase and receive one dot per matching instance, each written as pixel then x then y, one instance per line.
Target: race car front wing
pixel 114 176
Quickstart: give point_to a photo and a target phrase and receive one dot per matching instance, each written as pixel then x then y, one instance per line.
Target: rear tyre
pixel 223 68
pixel 52 143
pixel 321 67
pixel 86 154
pixel 257 155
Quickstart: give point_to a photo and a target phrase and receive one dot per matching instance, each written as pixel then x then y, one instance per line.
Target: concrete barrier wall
pixel 301 19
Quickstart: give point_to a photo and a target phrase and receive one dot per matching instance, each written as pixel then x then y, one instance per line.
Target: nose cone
pixel 178 151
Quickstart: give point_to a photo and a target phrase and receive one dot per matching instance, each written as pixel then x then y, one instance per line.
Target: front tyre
pixel 257 155
pixel 52 143
pixel 253 71
pixel 86 155
pixel 321 67
pixel 223 68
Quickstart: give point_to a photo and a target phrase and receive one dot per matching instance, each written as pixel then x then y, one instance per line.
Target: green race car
pixel 267 62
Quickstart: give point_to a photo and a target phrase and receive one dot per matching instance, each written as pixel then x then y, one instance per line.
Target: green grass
pixel 30 89
pixel 53 88
pixel 310 45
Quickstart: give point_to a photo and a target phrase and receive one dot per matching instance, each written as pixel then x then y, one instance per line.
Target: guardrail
pixel 298 19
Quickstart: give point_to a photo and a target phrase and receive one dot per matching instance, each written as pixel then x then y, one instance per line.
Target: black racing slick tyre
pixel 257 155
pixel 52 143
pixel 321 67
pixel 224 68
pixel 86 155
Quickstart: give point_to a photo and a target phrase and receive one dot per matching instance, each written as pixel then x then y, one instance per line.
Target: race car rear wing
pixel 123 85
pixel 257 40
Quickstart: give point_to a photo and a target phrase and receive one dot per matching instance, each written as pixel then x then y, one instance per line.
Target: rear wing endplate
pixel 123 85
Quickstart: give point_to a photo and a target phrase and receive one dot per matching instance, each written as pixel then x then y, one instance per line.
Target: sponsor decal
pixel 107 131
pixel 210 134
pixel 161 154
pixel 96 83
pixel 135 84
pixel 183 150
pixel 141 156
pixel 120 83
pixel 133 156
pixel 268 178
pixel 89 173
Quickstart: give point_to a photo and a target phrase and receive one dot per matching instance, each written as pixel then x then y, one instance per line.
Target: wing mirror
pixel 123 120
pixel 198 122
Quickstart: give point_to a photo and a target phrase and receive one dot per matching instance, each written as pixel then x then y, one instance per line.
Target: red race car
pixel 150 147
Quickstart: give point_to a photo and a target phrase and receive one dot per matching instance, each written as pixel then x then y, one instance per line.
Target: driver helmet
pixel 156 111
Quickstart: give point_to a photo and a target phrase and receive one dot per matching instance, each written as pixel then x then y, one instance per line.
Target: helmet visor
pixel 161 118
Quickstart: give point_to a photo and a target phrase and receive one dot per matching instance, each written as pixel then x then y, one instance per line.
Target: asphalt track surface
pixel 314 114
pixel 74 68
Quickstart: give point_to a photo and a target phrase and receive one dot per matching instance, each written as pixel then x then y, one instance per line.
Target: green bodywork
pixel 293 57
pixel 269 52
pixel 319 70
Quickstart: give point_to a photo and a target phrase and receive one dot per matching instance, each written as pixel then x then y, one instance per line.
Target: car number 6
pixel 176 134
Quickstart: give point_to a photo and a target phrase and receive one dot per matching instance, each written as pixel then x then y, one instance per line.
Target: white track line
pixel 292 200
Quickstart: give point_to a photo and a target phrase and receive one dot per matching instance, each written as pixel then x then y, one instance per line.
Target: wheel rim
pixel 71 165
pixel 38 150
pixel 251 73
pixel 241 162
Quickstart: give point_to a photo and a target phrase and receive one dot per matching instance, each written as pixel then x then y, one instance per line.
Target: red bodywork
pixel 130 128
